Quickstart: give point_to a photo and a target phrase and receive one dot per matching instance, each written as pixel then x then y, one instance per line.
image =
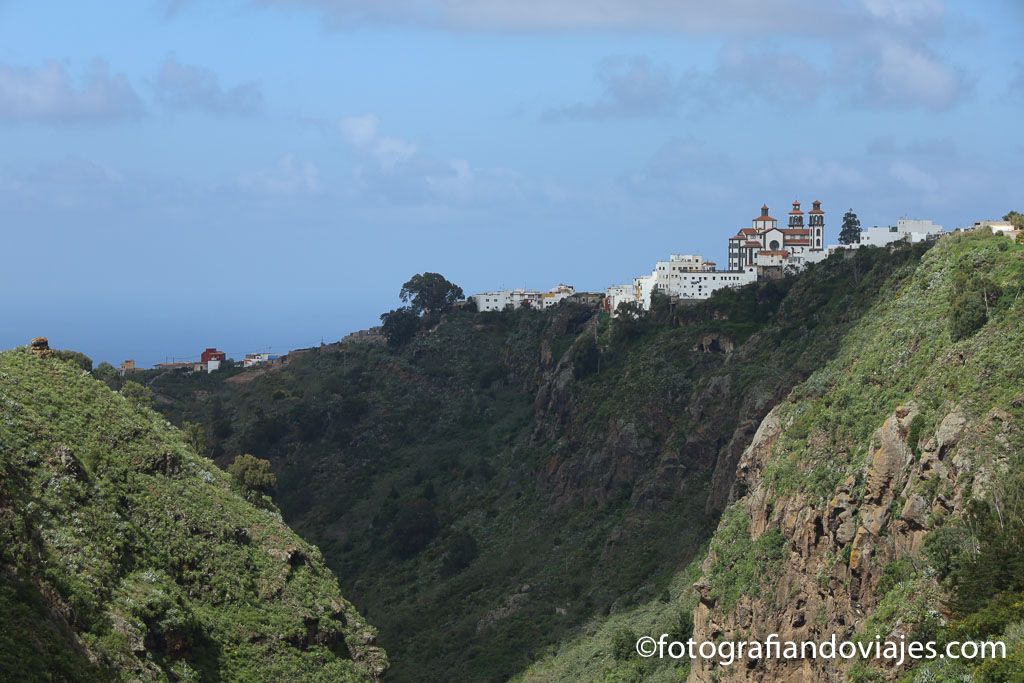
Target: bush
pixel 971 302
pixel 623 644
pixel 252 475
pixel 461 553
pixel 78 358
pixel 586 358
pixel 399 326
pixel 140 396
pixel 413 527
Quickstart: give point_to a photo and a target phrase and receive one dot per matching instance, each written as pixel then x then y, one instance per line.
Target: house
pixel 257 358
pixel 127 367
pixel 521 298
pixel 802 243
pixel 684 276
pixel 1005 228
pixel 906 229
pixel 618 294
pixel 211 354
pixel 177 365
pixel 594 299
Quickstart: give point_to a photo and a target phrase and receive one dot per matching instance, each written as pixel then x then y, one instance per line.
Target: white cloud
pixel 50 94
pixel 396 170
pixel 906 76
pixel 777 76
pixel 181 86
pixel 728 16
pixel 631 87
pixel 289 177
pixel 906 12
pixel 913 177
pixel 363 133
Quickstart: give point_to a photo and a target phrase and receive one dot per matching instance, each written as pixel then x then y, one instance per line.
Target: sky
pixel 265 174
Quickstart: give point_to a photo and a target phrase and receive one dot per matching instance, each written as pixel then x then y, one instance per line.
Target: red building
pixel 211 354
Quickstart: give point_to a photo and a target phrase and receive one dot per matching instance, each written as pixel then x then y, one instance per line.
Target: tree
pixel 413 527
pixel 1016 219
pixel 77 357
pixel 399 325
pixel 461 552
pixel 140 396
pixel 252 475
pixel 106 373
pixel 430 293
pixel 972 301
pixel 195 435
pixel 661 307
pixel 850 232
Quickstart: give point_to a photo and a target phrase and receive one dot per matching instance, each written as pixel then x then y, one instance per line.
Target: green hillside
pixel 127 556
pixel 883 497
pixel 501 479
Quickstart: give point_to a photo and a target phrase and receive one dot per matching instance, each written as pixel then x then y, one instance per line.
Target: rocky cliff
pixel 846 479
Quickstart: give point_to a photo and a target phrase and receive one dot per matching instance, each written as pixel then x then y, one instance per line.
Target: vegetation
pixel 125 555
pixel 252 476
pixel 554 466
pixel 849 233
pixel 430 294
pixel 399 326
pixel 969 581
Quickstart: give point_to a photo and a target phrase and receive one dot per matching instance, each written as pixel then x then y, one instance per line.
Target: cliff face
pixel 845 479
pixel 124 555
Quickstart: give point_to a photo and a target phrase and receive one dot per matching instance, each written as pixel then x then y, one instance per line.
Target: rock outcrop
pixel 837 549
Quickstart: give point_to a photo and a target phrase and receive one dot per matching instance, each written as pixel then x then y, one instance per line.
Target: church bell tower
pixel 816 219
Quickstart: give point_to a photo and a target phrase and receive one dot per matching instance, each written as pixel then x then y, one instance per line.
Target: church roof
pixel 764 215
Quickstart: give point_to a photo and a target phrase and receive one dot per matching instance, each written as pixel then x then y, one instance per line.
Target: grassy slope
pixel 900 352
pixel 126 556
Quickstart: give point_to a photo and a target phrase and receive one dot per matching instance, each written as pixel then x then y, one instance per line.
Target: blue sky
pixel 267 173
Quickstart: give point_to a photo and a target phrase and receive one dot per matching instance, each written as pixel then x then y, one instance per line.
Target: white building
pixel 257 358
pixel 905 229
pixel 1004 228
pixel 617 294
pixel 684 276
pixel 519 298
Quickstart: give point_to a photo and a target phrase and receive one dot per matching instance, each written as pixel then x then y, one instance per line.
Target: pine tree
pixel 850 233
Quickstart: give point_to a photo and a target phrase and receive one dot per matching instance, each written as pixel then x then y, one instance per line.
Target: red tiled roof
pixel 776 252
pixel 751 243
pixel 799 243
pixel 796 231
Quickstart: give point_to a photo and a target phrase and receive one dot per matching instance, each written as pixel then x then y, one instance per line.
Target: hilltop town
pixel 762 251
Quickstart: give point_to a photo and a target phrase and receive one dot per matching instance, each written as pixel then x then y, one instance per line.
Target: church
pixel 766 244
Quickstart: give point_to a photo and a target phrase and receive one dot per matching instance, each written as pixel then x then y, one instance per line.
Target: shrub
pixel 252 475
pixel 623 644
pixel 585 358
pixel 139 395
pixel 77 357
pixel 461 553
pixel 413 527
pixel 971 302
pixel 399 326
